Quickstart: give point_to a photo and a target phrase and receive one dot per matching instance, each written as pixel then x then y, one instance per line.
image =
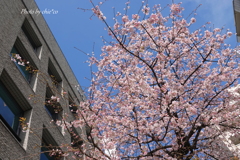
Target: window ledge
pixel 10 129
pixel 12 133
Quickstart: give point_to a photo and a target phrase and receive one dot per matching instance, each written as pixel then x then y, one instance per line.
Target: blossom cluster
pixel 160 90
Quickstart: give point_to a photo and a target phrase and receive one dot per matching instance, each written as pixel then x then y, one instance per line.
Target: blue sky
pixel 73 27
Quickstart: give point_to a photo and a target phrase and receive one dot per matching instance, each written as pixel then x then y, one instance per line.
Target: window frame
pixel 51 104
pixel 31 36
pixel 45 147
pixel 24 69
pixel 47 144
pixel 72 105
pixel 54 76
pixel 10 102
pixel 76 140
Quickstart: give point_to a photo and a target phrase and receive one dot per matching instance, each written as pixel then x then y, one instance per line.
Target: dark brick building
pixel 23 92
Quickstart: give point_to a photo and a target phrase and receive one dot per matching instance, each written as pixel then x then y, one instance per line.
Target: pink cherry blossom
pixel 161 91
pixel 229 34
pixel 135 16
pixel 193 20
pixel 125 18
pixel 145 10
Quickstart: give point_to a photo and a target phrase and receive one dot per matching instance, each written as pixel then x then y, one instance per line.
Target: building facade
pixel 36 85
pixel 236 9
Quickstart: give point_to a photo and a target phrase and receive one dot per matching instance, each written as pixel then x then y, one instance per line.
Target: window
pixel 10 111
pixel 48 144
pixel 72 105
pixel 21 63
pixel 45 150
pixel 51 112
pixel 52 105
pixel 24 61
pixel 45 155
pixel 31 35
pixel 56 79
pixel 76 140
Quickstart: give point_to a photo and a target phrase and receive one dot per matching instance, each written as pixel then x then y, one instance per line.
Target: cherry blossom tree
pixel 161 90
